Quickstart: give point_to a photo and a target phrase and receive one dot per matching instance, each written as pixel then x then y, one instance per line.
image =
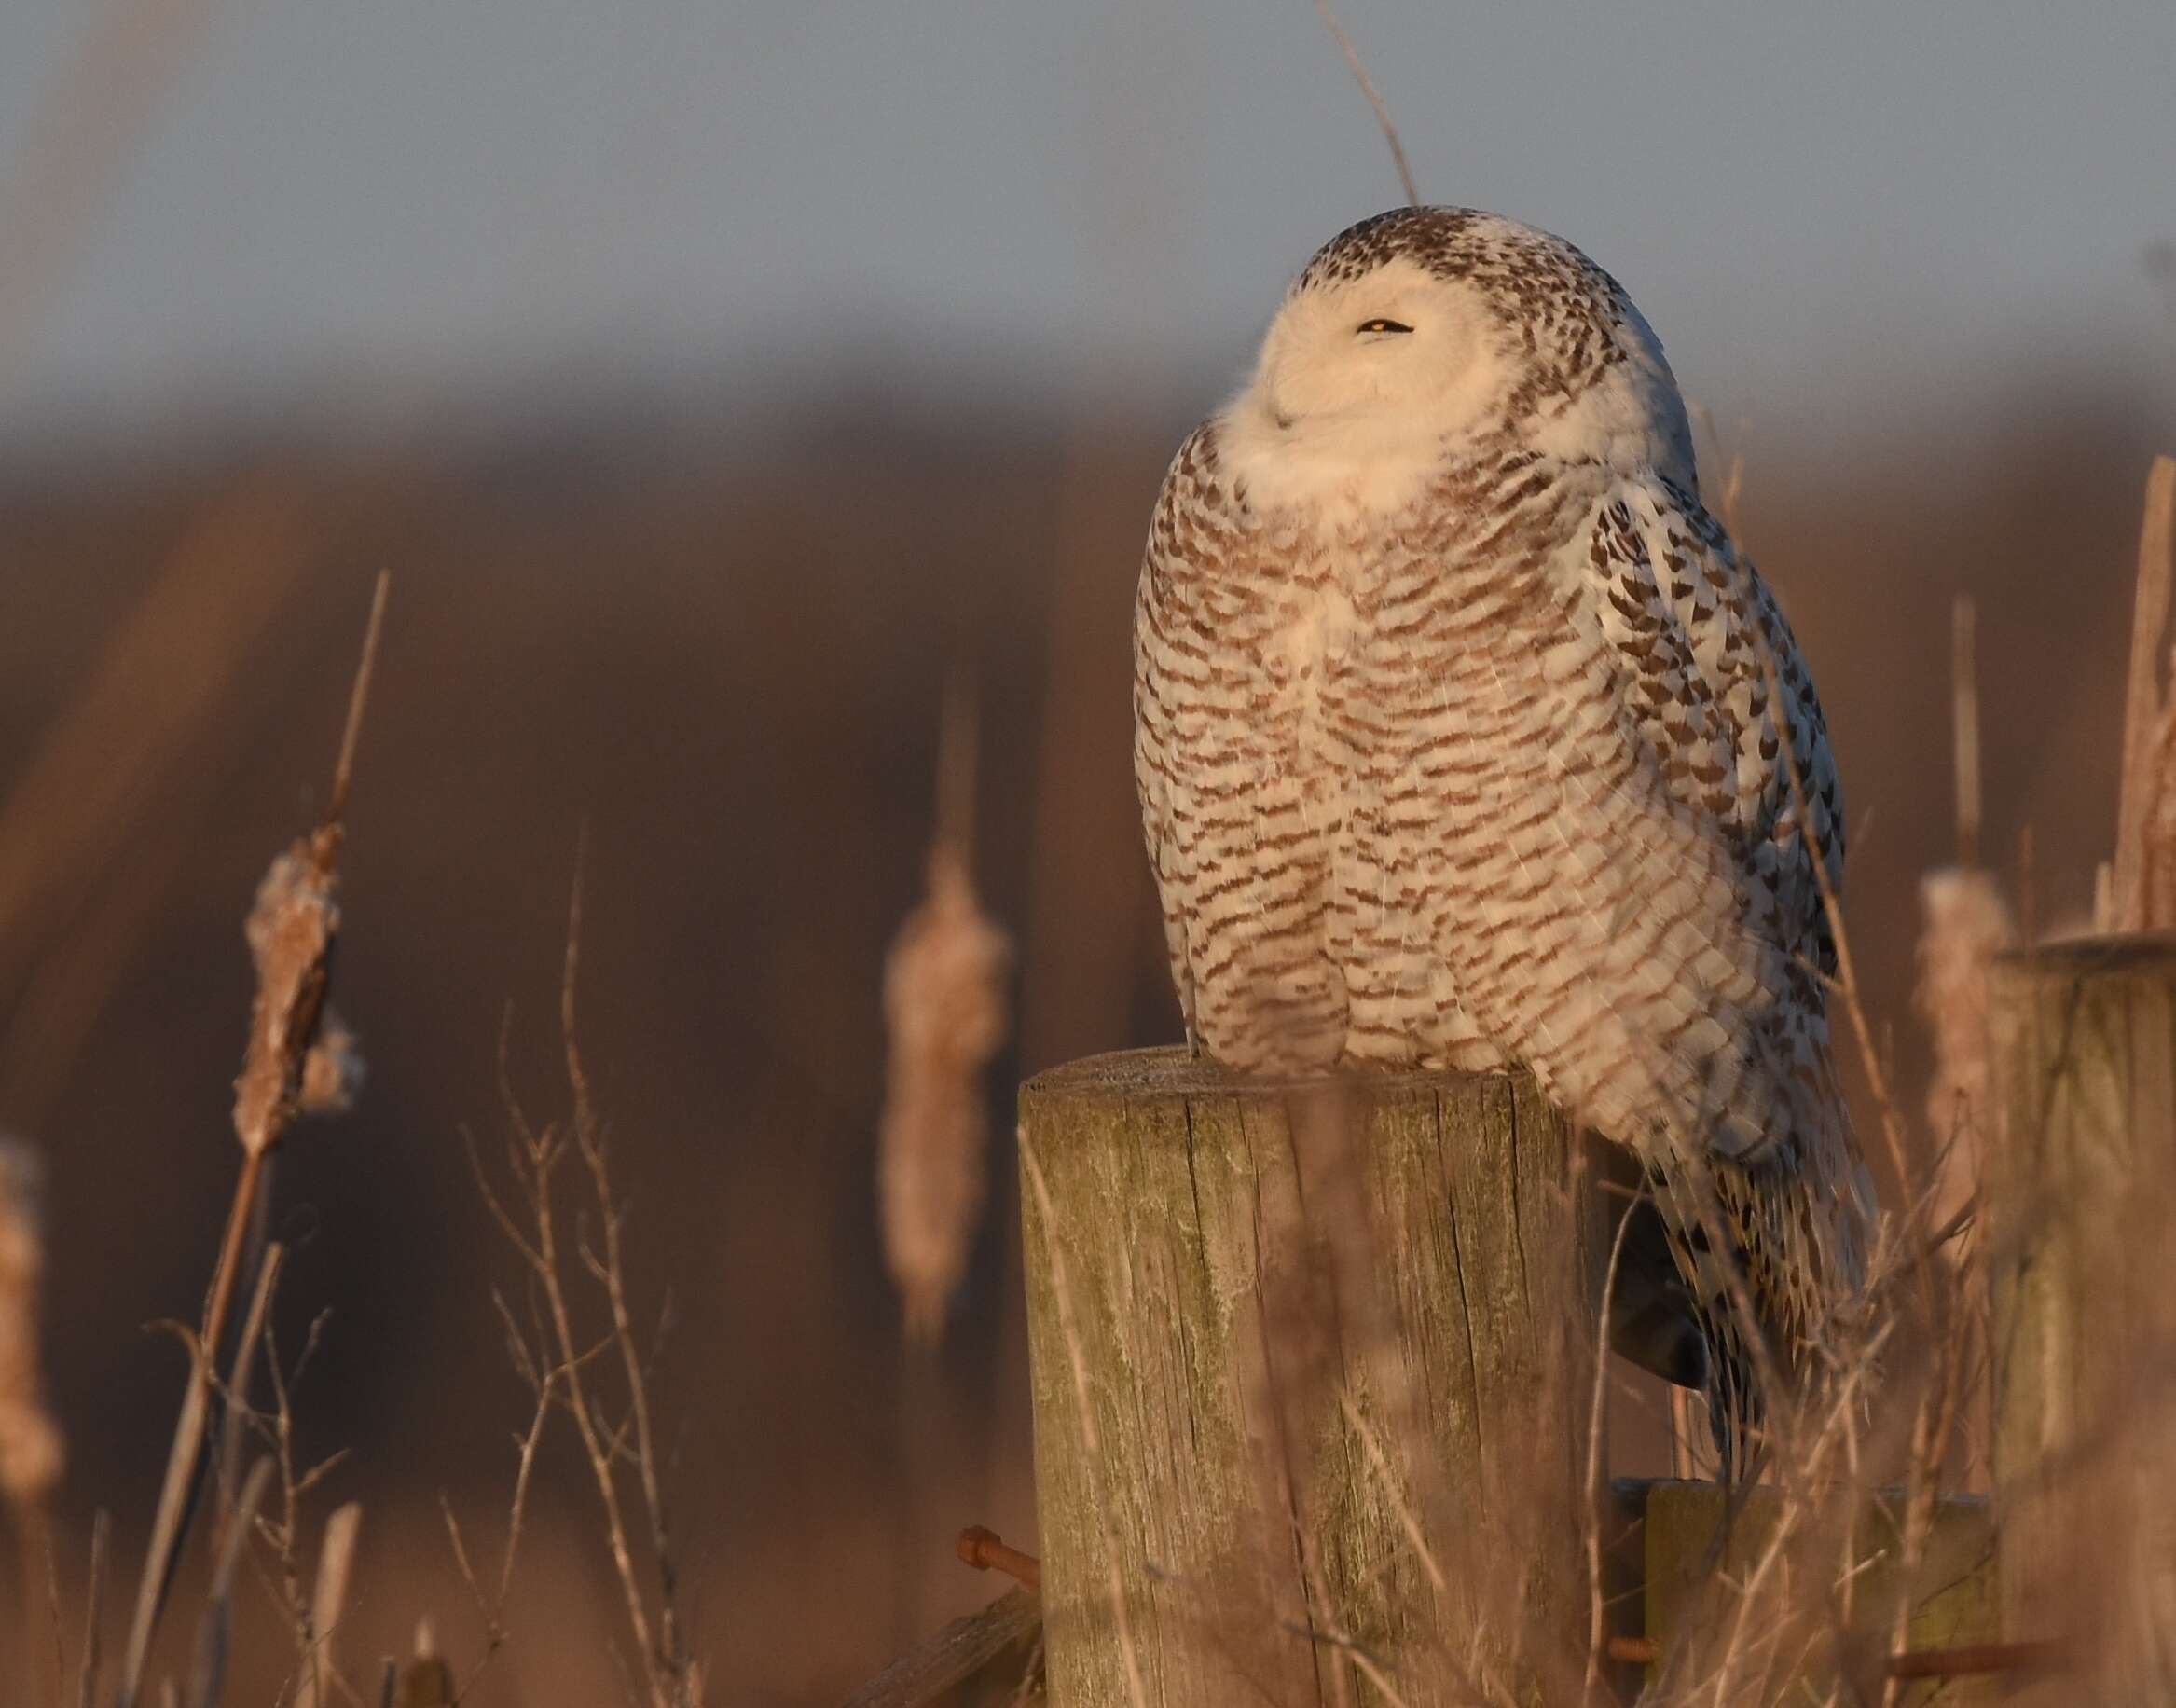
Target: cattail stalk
pixel 1964 725
pixel 2142 701
pixel 289 931
pixel 945 1006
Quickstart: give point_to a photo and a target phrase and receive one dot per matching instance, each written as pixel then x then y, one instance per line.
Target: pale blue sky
pixel 1872 209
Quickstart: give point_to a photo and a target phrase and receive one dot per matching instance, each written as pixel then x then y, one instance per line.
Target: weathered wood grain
pixel 1338 1345
pixel 2082 1194
pixel 979 1658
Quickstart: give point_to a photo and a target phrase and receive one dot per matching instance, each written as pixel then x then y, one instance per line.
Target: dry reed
pixel 290 933
pixel 32 1449
pixel 214 1634
pixel 2146 714
pixel 1381 107
pixel 87 123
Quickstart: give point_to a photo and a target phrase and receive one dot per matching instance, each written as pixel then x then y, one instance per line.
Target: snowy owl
pixel 1455 749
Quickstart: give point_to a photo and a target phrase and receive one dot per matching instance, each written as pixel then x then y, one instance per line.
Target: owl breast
pixel 1398 709
pixel 1302 698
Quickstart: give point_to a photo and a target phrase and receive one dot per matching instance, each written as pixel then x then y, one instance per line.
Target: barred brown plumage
pixel 1456 746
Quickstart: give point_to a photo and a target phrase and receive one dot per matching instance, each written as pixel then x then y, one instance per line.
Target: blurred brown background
pixel 742 708
pixel 710 617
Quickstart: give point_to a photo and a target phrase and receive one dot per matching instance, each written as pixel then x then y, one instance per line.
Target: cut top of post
pixel 1172 1071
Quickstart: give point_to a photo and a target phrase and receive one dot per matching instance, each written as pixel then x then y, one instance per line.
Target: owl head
pixel 1427 334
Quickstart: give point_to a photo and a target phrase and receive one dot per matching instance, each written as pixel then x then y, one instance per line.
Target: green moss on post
pixel 1337 1348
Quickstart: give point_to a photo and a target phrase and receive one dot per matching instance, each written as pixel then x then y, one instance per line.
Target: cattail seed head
pixel 290 932
pixel 944 999
pixel 334 1070
pixel 1965 925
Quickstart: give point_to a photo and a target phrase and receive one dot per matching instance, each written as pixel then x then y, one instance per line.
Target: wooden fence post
pixel 2081 1194
pixel 1312 1370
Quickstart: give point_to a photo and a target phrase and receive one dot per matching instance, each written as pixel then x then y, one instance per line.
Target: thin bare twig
pixel 557 1361
pixel 612 1275
pixel 1591 1512
pixel 581 1407
pixel 277 1431
pixel 493 1608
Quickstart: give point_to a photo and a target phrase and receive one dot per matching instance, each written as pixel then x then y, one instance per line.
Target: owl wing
pixel 1696 634
pixel 1698 932
pixel 1712 687
pixel 1634 914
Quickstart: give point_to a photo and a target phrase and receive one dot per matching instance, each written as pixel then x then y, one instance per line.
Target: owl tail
pixel 1736 1416
pixel 1657 1320
pixel 1764 1267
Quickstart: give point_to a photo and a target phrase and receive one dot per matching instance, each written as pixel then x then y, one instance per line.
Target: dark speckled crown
pixel 1569 312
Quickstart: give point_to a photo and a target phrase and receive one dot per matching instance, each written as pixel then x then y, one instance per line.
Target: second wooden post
pixel 2081 1193
pixel 1313 1373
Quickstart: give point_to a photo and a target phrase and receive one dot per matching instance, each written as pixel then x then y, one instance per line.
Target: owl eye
pixel 1380 325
